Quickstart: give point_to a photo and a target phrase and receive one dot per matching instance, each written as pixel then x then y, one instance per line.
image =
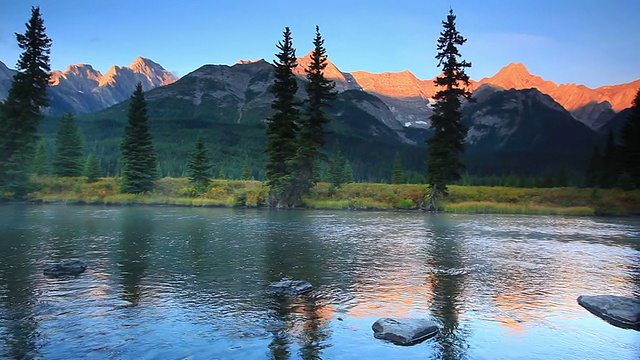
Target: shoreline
pixel 177 192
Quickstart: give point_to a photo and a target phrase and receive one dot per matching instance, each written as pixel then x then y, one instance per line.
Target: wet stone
pixel 404 331
pixel 65 267
pixel 617 310
pixel 290 287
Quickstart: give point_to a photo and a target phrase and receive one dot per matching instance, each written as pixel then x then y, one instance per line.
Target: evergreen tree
pixel 199 166
pixel 337 169
pixel 69 155
pixel 347 172
pixel 20 113
pixel 446 145
pixel 630 149
pixel 282 126
pixel 396 177
pixel 92 169
pixel 312 127
pixel 246 171
pixel 139 165
pixel 609 164
pixel 40 164
pixel 594 169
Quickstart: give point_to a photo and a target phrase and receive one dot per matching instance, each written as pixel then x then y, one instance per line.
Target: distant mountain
pixel 593 107
pixel 6 75
pixel 520 123
pixel 409 97
pixel 374 117
pixel 239 94
pixel 81 89
pixel 523 131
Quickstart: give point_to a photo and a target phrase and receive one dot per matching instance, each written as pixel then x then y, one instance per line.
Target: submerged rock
pixel 290 287
pixel 404 331
pixel 66 267
pixel 618 310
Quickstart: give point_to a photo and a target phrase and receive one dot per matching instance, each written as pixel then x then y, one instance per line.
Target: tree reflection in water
pixel 445 256
pixel 134 247
pixel 17 296
pixel 297 320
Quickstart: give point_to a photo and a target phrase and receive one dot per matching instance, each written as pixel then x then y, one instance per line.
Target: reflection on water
pixel 133 253
pixel 19 327
pixel 445 256
pixel 190 283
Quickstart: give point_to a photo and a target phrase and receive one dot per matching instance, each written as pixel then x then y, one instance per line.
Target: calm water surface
pixel 175 283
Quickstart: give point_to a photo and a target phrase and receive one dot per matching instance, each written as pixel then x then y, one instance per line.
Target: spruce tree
pixel 40 164
pixel 610 169
pixel 396 176
pixel 594 169
pixel 313 132
pixel 630 149
pixel 447 143
pixel 246 171
pixel 92 169
pixel 139 166
pixel 20 114
pixel 199 166
pixel 69 156
pixel 282 126
pixel 337 169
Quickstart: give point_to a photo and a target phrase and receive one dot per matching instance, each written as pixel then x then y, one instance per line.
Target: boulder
pixel 618 310
pixel 290 287
pixel 404 331
pixel 65 267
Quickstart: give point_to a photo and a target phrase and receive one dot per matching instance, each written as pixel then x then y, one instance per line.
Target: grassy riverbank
pixel 358 196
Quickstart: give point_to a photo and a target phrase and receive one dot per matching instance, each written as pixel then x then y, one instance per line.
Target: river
pixel 175 283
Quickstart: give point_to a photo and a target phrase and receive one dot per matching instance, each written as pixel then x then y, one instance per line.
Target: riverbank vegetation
pixel 353 196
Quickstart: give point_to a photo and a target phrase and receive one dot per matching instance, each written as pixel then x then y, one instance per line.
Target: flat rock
pixel 290 287
pixel 404 331
pixel 618 310
pixel 65 267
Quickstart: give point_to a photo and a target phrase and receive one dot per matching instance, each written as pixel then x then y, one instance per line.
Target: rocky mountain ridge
pixel 82 89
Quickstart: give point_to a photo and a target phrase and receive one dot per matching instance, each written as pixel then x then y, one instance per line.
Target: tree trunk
pixel 430 204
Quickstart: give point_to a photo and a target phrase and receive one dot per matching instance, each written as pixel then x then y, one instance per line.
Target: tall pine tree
pixel 447 143
pixel 594 169
pixel 337 169
pixel 610 168
pixel 92 169
pixel 69 155
pixel 139 166
pixel 20 114
pixel 199 166
pixel 282 126
pixel 630 149
pixel 40 163
pixel 397 176
pixel 313 132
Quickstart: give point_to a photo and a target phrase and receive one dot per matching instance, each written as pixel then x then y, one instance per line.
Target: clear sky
pixel 591 42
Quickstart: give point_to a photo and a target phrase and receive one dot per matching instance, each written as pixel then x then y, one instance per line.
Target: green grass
pixel 486 207
pixel 357 196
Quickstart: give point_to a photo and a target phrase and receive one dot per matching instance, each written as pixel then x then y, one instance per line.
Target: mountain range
pixel 81 89
pixel 520 123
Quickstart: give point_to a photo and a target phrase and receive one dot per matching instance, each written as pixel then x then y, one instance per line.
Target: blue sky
pixel 591 42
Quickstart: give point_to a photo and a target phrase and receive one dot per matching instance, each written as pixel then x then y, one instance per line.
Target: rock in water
pixel 66 267
pixel 404 331
pixel 618 310
pixel 290 287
